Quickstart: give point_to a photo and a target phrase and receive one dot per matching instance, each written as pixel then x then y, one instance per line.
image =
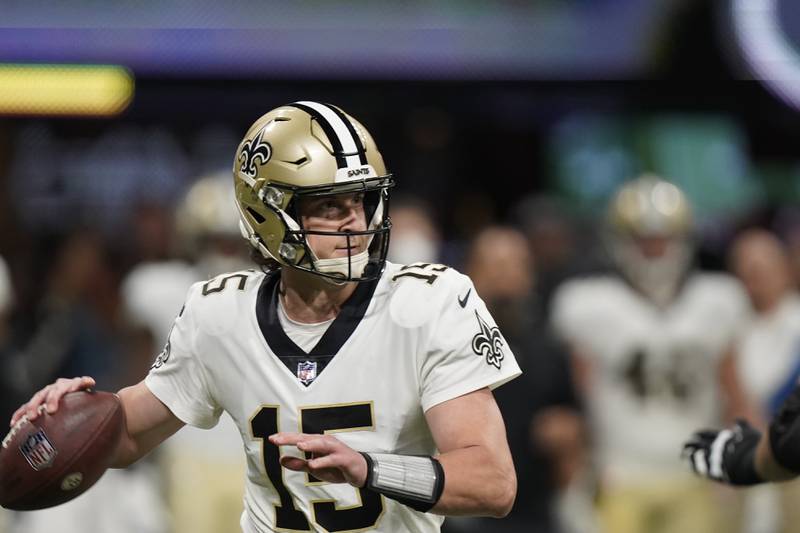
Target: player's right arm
pixel 148 421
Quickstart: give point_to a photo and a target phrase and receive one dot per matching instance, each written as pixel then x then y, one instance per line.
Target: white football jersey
pixel 768 353
pixel 153 293
pixel 415 338
pixel 654 372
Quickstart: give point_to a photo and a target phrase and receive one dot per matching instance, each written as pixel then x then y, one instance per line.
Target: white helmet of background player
pixel 207 224
pixel 309 149
pixel 649 239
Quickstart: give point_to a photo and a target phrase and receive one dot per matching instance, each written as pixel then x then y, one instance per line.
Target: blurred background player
pixel 416 236
pixel 540 408
pixel 768 360
pixel 650 343
pixel 207 242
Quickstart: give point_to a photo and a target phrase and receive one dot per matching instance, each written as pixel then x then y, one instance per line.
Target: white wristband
pixel 406 476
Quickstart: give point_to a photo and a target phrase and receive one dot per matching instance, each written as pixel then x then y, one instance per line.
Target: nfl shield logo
pixel 306 372
pixel 38 451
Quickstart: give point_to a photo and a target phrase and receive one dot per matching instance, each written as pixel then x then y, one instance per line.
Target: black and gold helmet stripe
pixel 362 154
pixel 347 146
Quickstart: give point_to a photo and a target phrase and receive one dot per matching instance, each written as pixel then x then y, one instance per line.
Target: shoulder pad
pixel 722 288
pixel 217 304
pixel 419 291
pixel 590 290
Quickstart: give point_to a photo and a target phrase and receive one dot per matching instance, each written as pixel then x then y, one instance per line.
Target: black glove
pixel 727 456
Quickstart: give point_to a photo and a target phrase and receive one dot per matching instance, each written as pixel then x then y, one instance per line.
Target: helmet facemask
pixel 658 277
pixel 647 211
pixel 283 202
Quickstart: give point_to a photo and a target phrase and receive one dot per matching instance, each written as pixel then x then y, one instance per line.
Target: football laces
pixel 14 430
pixel 17 427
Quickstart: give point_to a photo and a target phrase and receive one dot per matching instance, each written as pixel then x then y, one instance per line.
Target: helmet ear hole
pixel 256 215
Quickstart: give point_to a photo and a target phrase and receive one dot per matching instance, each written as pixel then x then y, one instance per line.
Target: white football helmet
pixel 207 225
pixel 308 149
pixel 208 209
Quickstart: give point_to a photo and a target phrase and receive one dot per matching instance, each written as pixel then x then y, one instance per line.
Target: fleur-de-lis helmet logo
pixel 488 343
pixel 254 150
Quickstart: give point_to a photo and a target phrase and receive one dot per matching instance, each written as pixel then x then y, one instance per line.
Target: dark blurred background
pixel 474 104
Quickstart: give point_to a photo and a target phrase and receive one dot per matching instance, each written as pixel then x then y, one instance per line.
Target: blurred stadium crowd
pixel 104 224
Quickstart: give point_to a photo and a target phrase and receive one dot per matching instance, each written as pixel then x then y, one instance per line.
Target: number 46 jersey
pixel 402 344
pixel 654 371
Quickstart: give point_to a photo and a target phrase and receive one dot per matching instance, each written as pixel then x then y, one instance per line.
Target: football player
pixel 543 424
pixel 361 389
pixel 650 346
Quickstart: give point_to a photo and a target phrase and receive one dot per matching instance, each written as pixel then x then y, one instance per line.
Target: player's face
pixel 653 247
pixel 340 212
pixel 761 263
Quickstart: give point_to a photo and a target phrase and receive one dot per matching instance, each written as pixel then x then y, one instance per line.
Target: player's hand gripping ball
pixel 57 457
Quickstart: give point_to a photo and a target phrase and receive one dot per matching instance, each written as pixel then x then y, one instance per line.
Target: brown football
pixel 57 457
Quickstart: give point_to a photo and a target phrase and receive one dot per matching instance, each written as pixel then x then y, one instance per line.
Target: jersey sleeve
pixel 581 316
pixel 568 317
pixel 466 351
pixel 729 310
pixel 178 377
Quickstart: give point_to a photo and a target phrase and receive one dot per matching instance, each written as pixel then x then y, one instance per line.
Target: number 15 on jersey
pixel 317 419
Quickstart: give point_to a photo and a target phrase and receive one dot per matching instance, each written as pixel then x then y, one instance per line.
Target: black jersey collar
pixel 332 340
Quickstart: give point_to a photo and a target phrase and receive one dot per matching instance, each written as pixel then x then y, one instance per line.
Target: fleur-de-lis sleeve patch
pixel 163 357
pixel 488 343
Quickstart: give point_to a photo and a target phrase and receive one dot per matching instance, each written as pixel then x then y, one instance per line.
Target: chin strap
pixel 351 266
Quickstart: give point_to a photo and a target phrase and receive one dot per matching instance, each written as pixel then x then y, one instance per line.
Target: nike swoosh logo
pixel 463 302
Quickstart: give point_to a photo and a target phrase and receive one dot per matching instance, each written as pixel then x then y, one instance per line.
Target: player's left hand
pixel 725 456
pixel 330 459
